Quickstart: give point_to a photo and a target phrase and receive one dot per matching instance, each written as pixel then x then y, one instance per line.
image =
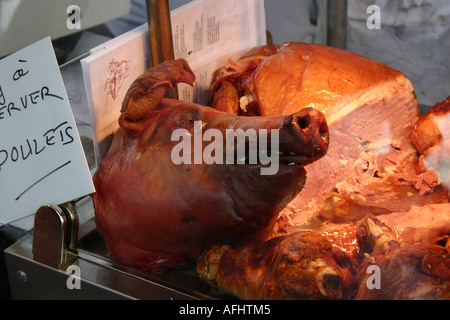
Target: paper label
pixel 108 73
pixel 41 156
pixel 207 33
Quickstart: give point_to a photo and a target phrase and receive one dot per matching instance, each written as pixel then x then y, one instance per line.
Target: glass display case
pixel 357 133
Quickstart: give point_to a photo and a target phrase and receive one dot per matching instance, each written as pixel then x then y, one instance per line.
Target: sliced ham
pixel 371 110
pixel 371 165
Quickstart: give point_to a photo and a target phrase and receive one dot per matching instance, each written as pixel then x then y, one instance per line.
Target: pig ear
pixel 139 104
pixel 149 89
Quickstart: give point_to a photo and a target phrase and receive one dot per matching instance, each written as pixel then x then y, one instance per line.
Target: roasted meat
pixel 351 195
pixel 407 263
pixel 408 272
pixel 367 259
pixel 371 163
pixel 302 265
pixel 411 262
pixel 433 127
pixel 162 198
pixel 431 137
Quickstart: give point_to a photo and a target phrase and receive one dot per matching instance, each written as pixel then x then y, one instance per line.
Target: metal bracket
pixel 55 235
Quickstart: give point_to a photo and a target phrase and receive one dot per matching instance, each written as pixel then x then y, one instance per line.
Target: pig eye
pixel 185 120
pixel 188 118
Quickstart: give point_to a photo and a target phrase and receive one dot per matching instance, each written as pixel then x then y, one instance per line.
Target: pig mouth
pixel 284 158
pixel 293 159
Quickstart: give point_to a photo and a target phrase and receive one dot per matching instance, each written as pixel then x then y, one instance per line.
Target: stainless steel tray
pixel 98 277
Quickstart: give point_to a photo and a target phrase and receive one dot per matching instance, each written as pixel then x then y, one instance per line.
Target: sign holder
pixel 55 235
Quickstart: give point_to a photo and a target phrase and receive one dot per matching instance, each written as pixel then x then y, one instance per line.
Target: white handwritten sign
pixel 41 156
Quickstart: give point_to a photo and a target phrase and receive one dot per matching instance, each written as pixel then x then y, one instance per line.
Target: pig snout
pixel 304 137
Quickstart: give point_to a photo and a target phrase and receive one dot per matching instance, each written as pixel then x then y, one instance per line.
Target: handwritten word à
pixel 19 73
pixel 60 135
pixel 8 109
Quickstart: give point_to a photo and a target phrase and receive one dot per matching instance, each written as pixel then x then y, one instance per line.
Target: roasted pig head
pixel 168 187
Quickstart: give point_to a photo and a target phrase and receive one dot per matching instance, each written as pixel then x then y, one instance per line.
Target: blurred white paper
pixel 41 156
pixel 205 32
pixel 108 73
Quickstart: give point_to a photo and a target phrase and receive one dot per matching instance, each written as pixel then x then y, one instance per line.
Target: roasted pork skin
pixel 154 213
pixel 302 265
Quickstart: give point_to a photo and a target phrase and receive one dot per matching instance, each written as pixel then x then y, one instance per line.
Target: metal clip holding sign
pixel 55 235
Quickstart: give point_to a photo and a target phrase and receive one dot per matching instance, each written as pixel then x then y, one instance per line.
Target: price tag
pixel 41 157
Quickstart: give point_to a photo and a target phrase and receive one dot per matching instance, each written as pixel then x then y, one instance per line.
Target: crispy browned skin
pixel 285 78
pixel 411 263
pixel 155 214
pixel 146 92
pixel 302 265
pixel 334 263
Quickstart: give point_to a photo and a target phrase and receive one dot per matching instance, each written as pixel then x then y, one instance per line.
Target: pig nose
pixel 309 127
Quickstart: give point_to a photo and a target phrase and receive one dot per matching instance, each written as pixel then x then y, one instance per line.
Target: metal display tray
pixel 98 277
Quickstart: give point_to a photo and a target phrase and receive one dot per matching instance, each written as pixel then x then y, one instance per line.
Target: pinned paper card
pixel 108 73
pixel 41 156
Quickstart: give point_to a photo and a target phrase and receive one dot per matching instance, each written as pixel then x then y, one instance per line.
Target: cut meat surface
pixel 370 110
pixel 419 224
pixel 369 142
